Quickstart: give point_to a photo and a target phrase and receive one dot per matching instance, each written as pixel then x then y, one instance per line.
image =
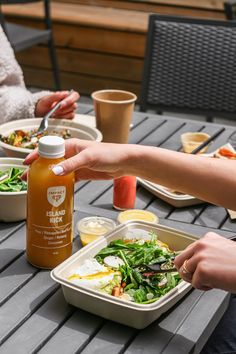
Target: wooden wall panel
pixel 84 84
pixel 195 8
pixel 102 40
pixel 85 63
pixel 205 4
pixel 93 39
pixel 100 43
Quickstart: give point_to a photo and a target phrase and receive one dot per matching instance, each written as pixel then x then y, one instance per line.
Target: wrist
pixel 134 159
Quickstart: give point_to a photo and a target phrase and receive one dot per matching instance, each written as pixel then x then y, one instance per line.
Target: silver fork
pixel 44 122
pixel 160 267
pixel 157 268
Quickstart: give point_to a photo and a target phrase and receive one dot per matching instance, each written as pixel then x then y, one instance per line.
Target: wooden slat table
pixel 34 316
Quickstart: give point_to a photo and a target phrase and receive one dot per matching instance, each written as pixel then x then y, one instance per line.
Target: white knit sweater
pixel 16 102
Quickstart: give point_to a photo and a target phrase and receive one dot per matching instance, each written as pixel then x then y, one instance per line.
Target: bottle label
pixel 56 195
pixel 56 231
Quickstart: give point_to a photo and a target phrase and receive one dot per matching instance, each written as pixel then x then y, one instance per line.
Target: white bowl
pixel 125 312
pixel 77 130
pixel 13 204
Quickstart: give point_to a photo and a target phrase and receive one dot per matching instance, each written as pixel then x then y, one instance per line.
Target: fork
pixel 157 268
pixel 44 123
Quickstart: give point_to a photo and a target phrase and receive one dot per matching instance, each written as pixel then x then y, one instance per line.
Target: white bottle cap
pixel 51 146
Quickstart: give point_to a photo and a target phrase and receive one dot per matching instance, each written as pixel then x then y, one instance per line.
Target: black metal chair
pixel 190 67
pixel 23 37
pixel 230 9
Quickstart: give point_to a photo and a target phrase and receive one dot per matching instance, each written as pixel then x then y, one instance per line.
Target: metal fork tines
pixel 157 268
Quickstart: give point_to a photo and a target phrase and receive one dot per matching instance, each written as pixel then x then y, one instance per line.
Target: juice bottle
pixel 49 207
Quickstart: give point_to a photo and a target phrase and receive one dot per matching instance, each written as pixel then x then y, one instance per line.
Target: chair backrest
pixel 190 66
pixel 47 13
pixel 230 9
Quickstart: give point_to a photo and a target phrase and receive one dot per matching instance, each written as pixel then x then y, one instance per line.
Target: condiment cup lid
pixel 137 215
pixel 96 225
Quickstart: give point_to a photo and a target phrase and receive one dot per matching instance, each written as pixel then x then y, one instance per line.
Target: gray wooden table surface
pixel 34 316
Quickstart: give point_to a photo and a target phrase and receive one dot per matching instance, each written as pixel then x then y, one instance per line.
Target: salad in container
pixel 128 275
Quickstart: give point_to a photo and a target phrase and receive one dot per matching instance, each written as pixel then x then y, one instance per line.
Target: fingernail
pixel 63 103
pixel 58 170
pixel 25 162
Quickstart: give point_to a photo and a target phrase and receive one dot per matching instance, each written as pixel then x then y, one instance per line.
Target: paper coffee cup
pixel 113 111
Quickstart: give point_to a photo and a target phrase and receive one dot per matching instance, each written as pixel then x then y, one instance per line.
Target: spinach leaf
pixel 10 180
pixel 140 295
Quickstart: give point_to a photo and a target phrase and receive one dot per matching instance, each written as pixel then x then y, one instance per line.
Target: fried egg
pixel 92 275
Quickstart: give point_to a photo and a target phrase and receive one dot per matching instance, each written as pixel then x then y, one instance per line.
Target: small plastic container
pixel 137 215
pixel 93 227
pixel 191 141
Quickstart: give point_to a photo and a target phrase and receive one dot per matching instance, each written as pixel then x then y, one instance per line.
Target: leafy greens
pixel 10 180
pixel 142 285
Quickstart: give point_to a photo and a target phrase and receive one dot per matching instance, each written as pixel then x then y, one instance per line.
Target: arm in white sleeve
pixel 16 102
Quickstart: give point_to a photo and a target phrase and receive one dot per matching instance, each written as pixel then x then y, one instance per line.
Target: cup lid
pixel 96 225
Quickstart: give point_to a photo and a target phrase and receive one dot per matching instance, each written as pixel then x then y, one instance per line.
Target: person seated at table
pixel 17 102
pixel 207 263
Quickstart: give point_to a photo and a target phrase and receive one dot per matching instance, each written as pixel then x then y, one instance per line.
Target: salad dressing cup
pixel 91 228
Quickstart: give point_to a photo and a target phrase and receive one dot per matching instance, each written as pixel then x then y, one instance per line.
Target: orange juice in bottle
pixel 49 207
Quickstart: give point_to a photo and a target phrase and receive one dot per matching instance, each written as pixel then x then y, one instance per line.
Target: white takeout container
pixel 77 130
pixel 177 200
pixel 107 306
pixel 13 204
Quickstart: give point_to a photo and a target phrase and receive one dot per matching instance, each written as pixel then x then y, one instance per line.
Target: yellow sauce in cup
pixel 137 215
pixel 91 228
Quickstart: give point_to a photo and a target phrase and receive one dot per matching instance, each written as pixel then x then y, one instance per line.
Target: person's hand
pixel 91 160
pixel 209 263
pixel 67 108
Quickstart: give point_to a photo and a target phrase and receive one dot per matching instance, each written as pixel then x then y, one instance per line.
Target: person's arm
pixel 210 261
pixel 210 179
pixel 16 101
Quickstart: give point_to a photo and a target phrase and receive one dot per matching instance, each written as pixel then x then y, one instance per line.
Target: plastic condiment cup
pixel 93 227
pixel 137 215
pixel 190 141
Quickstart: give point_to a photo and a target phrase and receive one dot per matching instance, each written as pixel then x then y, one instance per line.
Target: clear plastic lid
pixel 96 225
pixel 51 146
